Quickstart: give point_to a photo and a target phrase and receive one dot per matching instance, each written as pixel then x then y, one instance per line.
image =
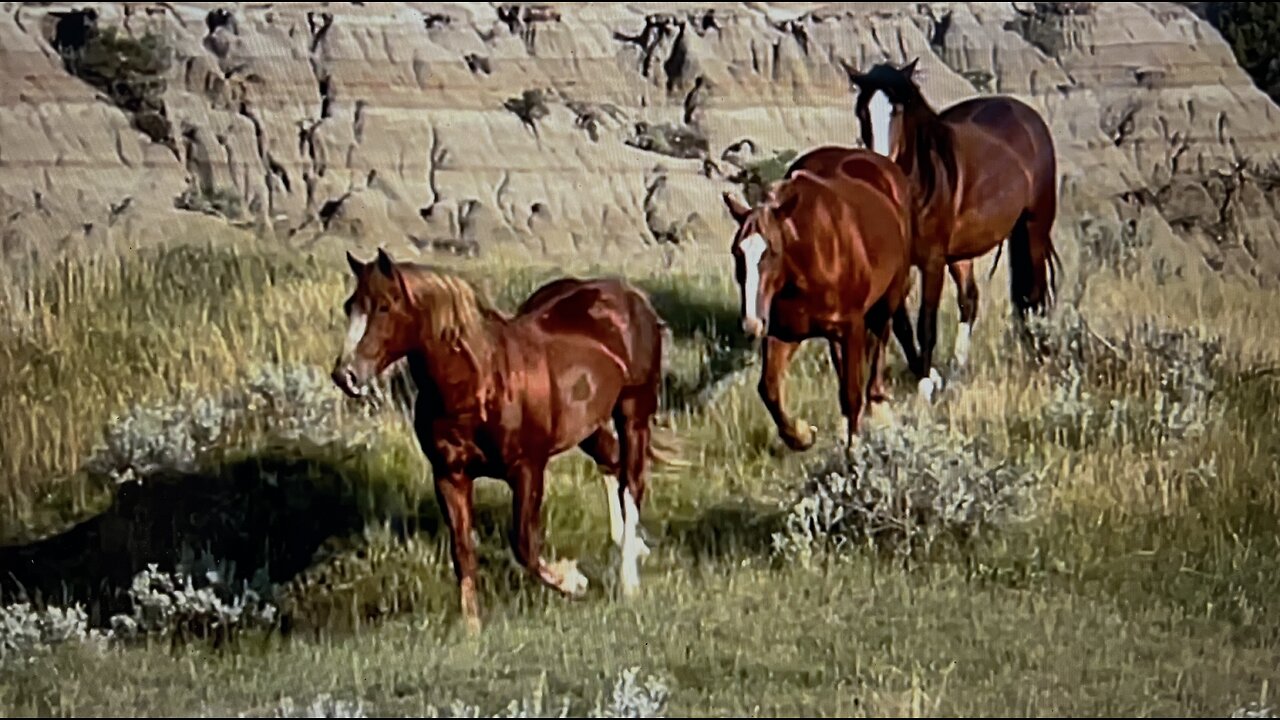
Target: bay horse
pixel 500 395
pixel 983 169
pixel 825 255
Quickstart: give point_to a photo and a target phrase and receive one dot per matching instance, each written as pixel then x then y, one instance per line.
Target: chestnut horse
pixel 498 396
pixel 825 256
pixel 983 170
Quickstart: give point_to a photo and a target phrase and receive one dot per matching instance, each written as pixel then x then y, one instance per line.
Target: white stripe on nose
pixel 752 250
pixel 881 114
pixel 355 330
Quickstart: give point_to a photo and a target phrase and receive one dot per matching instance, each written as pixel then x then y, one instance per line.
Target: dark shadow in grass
pixel 700 318
pixel 269 512
pixel 726 530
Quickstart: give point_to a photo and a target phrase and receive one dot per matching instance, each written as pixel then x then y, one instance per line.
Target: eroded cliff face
pixel 609 130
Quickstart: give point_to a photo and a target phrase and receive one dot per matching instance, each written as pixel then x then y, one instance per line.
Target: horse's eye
pixel 383 307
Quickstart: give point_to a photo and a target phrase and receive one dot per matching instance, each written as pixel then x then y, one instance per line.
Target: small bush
pixel 278 403
pixel 131 71
pixel 628 699
pixel 757 176
pixel 220 202
pixel 670 140
pixel 1044 25
pixel 902 489
pixel 26 633
pixel 200 599
pixel 1167 379
pixel 530 107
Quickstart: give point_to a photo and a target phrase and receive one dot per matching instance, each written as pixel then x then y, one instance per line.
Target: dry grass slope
pixel 171 407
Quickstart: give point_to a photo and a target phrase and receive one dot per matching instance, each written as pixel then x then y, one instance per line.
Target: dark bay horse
pixel 498 396
pixel 983 170
pixel 825 256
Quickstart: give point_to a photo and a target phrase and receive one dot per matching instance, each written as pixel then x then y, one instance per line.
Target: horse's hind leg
pixel 906 337
pixel 878 327
pixel 602 446
pixel 967 299
pixel 633 415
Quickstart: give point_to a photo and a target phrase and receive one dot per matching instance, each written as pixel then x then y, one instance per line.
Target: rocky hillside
pixel 602 130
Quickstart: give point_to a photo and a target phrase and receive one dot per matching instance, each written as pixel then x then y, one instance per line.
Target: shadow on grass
pixel 268 512
pixel 698 317
pixel 727 529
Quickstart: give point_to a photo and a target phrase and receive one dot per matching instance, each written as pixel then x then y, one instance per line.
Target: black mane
pixel 930 136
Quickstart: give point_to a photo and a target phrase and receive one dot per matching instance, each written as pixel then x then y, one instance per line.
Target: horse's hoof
pixel 570 581
pixel 930 385
pixel 803 439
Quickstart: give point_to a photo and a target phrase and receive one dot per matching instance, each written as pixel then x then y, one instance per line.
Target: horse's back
pixel 607 311
pixel 1012 122
pixel 857 164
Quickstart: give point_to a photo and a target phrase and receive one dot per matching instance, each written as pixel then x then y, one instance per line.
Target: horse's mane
pixel 452 309
pixel 930 137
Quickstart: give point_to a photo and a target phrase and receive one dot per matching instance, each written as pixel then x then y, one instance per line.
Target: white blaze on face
pixel 881 120
pixel 356 325
pixel 752 251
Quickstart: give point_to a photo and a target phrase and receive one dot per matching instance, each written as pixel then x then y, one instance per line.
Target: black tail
pixel 1033 268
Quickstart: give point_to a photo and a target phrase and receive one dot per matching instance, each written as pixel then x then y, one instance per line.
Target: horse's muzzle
pixel 345 378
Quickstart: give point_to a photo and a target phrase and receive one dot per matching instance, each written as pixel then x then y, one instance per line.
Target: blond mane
pixel 451 308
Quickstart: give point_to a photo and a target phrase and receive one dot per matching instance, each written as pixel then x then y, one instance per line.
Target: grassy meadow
pixel 1142 579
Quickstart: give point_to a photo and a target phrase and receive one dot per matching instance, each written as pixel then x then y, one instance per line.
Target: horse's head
pixel 381 324
pixel 884 93
pixel 757 258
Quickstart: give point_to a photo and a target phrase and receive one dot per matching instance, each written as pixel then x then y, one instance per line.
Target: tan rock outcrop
pixel 601 130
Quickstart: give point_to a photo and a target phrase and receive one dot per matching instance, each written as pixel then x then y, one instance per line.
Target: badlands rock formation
pixel 608 130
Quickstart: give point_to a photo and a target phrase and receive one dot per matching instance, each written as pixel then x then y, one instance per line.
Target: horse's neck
pixel 916 156
pixel 462 370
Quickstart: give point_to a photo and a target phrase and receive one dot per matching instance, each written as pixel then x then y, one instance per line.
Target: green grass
pixel 1137 589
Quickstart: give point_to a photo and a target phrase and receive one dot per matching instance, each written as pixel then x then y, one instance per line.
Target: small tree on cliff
pixel 130 71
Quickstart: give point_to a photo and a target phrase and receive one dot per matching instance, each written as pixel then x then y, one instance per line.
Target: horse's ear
pixel 785 205
pixel 736 208
pixel 357 267
pixel 855 77
pixel 910 68
pixel 386 264
pixel 388 268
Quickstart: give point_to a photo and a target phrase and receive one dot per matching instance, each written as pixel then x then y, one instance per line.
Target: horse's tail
pixel 1033 265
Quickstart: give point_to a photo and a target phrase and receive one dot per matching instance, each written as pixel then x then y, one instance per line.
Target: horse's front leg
pixel 527 481
pixel 927 326
pixel 798 435
pixel 454 491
